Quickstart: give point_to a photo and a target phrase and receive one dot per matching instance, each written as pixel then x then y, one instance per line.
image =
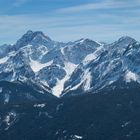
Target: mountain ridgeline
pixel 67 68
pixel 77 90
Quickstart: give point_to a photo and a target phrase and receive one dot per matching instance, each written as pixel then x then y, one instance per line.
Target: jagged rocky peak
pixel 80 65
pixel 118 63
pixel 121 44
pixel 88 41
pixel 125 40
pixel 31 37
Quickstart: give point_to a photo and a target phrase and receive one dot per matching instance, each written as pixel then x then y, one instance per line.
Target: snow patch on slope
pixel 4 59
pixel 69 68
pixel 7 98
pixel 39 105
pixel 93 56
pixel 10 118
pixel 86 80
pixel 37 66
pixel 78 137
pixel 62 51
pixel 130 76
pixel 88 58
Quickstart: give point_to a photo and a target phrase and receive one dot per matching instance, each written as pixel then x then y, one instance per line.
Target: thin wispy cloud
pixel 103 20
pixel 69 28
pixel 106 4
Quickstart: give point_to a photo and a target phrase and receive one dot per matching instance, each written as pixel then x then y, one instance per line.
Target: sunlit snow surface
pixel 37 66
pixel 69 68
pixel 3 60
pixel 89 57
pixel 78 137
pixel 130 76
pixel 85 80
pixel 83 64
pixel 39 105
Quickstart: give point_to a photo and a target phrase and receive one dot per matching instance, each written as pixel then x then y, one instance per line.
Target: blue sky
pixel 65 20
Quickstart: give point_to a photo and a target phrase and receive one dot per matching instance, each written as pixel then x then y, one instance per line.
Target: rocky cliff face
pixel 83 65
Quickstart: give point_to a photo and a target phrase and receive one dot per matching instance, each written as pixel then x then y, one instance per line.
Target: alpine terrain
pixel 82 89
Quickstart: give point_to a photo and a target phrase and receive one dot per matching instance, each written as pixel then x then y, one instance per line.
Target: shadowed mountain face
pixel 36 57
pixel 83 65
pixel 98 86
pixel 115 115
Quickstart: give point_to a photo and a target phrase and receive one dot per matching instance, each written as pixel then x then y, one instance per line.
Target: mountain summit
pixel 39 78
pixel 36 38
pixel 69 68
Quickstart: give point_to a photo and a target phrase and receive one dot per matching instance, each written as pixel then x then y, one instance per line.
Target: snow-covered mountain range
pixel 71 68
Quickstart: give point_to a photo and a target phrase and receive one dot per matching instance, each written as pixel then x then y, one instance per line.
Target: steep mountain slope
pixel 36 69
pixel 37 57
pixel 23 92
pixel 83 65
pixel 115 63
